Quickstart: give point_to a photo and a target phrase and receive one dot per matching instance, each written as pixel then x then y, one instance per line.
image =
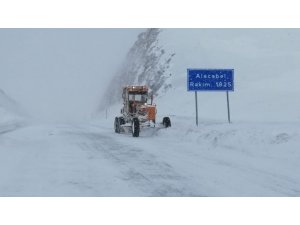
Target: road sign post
pixel 228 108
pixel 210 80
pixel 196 100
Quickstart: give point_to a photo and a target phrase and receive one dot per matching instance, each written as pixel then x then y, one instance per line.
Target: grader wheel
pixel 135 127
pixel 117 125
pixel 166 122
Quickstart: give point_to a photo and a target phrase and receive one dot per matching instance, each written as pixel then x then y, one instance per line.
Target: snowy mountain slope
pixel 147 63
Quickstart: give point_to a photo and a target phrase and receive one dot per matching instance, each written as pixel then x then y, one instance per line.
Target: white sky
pixel 60 74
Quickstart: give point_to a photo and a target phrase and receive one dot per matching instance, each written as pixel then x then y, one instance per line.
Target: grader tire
pixel 166 122
pixel 135 125
pixel 117 125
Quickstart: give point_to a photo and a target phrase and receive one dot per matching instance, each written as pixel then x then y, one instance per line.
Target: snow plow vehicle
pixel 138 111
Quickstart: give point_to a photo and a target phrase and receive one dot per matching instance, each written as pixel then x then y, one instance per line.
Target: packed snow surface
pixel 214 159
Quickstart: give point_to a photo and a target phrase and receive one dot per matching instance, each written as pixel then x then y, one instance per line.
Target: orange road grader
pixel 138 111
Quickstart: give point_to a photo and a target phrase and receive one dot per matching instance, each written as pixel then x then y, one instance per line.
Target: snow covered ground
pixel 256 155
pixel 215 159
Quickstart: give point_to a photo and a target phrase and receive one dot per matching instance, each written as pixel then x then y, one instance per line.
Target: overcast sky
pixel 60 74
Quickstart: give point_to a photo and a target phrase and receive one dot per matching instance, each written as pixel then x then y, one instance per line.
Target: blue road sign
pixel 210 80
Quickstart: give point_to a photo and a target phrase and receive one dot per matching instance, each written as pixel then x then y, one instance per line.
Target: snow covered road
pixel 91 160
pixel 66 160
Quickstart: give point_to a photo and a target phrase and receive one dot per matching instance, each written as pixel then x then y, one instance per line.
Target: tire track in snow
pixel 138 167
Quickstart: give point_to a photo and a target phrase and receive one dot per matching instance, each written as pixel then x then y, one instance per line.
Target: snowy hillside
pixel 11 116
pixel 146 63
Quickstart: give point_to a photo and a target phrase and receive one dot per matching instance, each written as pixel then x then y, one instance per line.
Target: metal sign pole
pixel 196 101
pixel 228 109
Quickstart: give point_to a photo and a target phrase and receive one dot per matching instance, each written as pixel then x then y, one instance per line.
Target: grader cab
pixel 138 111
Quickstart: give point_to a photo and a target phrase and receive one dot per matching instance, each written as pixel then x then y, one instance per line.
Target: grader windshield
pixel 138 97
